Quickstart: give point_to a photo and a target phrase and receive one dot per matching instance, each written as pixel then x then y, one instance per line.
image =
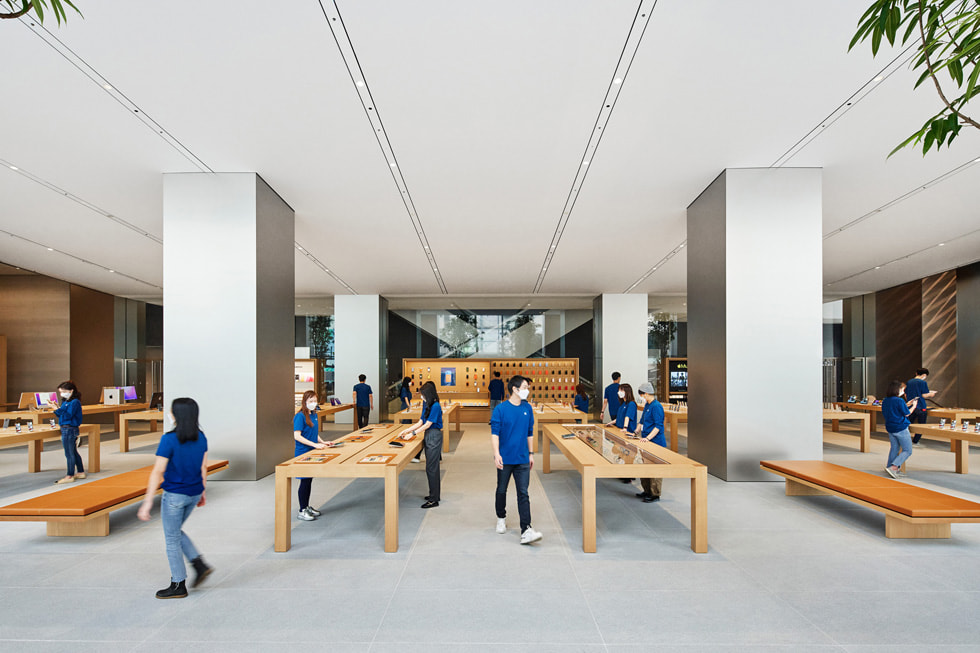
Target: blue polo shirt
pixel 311 433
pixel 434 415
pixel 496 389
pixel 364 393
pixel 896 414
pixel 183 473
pixel 626 411
pixel 513 425
pixel 69 413
pixel 582 403
pixel 611 395
pixel 914 389
pixel 653 417
pixel 406 396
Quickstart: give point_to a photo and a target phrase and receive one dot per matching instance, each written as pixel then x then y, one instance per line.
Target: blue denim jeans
pixel 902 440
pixel 175 509
pixel 522 476
pixel 69 438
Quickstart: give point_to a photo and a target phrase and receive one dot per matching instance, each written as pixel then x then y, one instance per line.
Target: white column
pixel 228 279
pixel 620 340
pixel 360 330
pixel 754 275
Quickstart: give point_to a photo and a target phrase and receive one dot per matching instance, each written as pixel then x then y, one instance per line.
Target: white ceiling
pixel 488 110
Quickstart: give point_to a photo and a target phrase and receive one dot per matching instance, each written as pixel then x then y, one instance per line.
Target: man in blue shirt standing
pixel 496 389
pixel 917 388
pixel 610 398
pixel 363 401
pixel 511 431
pixel 651 428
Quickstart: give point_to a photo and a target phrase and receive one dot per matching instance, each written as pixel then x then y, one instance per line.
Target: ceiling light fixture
pixel 360 83
pixel 107 87
pixel 878 78
pixel 14 168
pixel 585 163
pixel 941 244
pixel 50 249
pixel 617 81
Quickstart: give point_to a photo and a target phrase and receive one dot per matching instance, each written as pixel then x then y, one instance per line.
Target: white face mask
pixel 311 405
pixel 523 393
pixel 622 394
pixel 65 395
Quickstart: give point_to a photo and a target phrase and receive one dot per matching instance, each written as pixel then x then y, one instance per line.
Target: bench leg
pixel 901 529
pixel 284 485
pixel 98 527
pixel 794 489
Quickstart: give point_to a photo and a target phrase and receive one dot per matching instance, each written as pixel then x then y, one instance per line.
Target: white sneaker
pixel 313 511
pixel 501 525
pixel 416 459
pixel 530 535
pixel 305 515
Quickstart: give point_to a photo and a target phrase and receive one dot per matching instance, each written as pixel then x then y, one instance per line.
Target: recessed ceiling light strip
pixel 79 259
pixel 656 266
pixel 915 191
pixel 313 259
pixel 79 200
pixel 641 19
pixel 347 52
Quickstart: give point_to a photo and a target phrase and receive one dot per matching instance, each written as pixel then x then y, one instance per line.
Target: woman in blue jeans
pixel 896 412
pixel 69 416
pixel 181 468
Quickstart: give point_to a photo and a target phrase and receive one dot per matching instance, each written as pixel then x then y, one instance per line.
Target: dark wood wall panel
pixel 92 340
pixel 939 335
pixel 898 334
pixel 968 335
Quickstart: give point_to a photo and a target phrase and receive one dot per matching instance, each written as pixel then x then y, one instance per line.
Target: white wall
pixel 357 337
pixel 622 334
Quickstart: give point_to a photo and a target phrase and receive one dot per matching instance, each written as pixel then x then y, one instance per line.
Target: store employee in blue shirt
pixel 610 398
pixel 581 399
pixel 430 423
pixel 651 429
pixel 917 388
pixel 511 432
pixel 496 388
pixel 363 401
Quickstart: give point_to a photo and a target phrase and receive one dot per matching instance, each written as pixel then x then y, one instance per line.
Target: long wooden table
pixel 348 463
pixel 35 443
pixel 38 416
pixel 331 410
pixel 449 413
pixel 959 414
pixel 836 416
pixel 554 413
pixel 591 465
pixel 151 416
pixel 871 410
pixel 674 417
pixel 959 439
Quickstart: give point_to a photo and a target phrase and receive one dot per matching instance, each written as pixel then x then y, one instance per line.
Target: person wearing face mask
pixel 512 433
pixel 651 428
pixel 896 412
pixel 306 432
pixel 430 423
pixel 626 415
pixel 69 416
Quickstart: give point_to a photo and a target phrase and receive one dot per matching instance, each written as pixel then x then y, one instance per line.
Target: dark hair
pixel 894 388
pixel 628 391
pixel 431 397
pixel 362 378
pixel 921 371
pixel 70 385
pixel 407 381
pixel 304 409
pixel 185 412
pixel 497 374
pixel 580 390
pixel 615 376
pixel 515 382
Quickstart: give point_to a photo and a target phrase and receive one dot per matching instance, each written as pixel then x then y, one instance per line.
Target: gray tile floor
pixel 793 574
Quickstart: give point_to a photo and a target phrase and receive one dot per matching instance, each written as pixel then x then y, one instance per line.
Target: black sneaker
pixel 430 504
pixel 175 591
pixel 650 498
pixel 202 570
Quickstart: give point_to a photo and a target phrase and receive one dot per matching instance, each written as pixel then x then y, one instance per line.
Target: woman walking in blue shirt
pixel 431 424
pixel 69 416
pixel 181 468
pixel 896 413
pixel 306 432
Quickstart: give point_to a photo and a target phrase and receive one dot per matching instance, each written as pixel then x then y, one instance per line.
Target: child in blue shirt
pixel 69 416
pixel 512 433
pixel 896 413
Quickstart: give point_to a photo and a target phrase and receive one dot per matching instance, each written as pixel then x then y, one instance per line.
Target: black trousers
pixel 433 454
pixel 363 415
pixel 918 417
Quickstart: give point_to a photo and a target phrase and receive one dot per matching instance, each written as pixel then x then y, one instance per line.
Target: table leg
pixel 115 420
pixel 588 510
pixel 835 425
pixel 123 435
pixel 674 421
pixel 962 451
pixel 391 509
pixel 865 436
pixel 874 420
pixel 545 454
pixel 94 448
pixel 284 495
pixel 699 510
pixel 153 426
pixel 34 448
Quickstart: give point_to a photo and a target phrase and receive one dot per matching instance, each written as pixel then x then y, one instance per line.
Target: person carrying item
pixel 306 433
pixel 430 423
pixel 512 433
pixel 917 388
pixel 181 468
pixel 69 416
pixel 581 399
pixel 363 401
pixel 651 428
pixel 610 398
pixel 896 412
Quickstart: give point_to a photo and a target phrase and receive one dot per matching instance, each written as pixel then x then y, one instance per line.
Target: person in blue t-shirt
pixel 581 399
pixel 430 423
pixel 496 388
pixel 306 433
pixel 405 395
pixel 917 388
pixel 896 412
pixel 181 468
pixel 512 433
pixel 69 416
pixel 610 398
pixel 626 415
pixel 363 401
pixel 651 428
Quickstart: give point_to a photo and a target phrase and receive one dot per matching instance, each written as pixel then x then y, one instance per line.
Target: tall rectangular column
pixel 620 323
pixel 754 284
pixel 360 333
pixel 228 287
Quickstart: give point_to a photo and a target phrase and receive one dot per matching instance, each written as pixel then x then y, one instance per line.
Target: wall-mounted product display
pixel 308 375
pixel 675 379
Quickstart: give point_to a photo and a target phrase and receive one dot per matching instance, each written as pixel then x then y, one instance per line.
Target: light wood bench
pixel 910 511
pixel 83 509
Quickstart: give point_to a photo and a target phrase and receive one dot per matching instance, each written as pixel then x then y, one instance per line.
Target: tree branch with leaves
pixel 20 8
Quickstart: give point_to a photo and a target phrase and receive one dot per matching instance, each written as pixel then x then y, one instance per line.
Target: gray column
pixel 620 341
pixel 360 331
pixel 228 279
pixel 754 275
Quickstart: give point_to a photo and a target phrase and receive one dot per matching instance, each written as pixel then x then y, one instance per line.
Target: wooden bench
pixel 910 511
pixel 83 509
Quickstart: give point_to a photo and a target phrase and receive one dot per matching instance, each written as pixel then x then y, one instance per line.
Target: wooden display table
pixel 151 416
pixel 593 465
pixel 836 416
pixel 352 460
pixel 331 410
pixel 35 443
pixel 115 409
pixel 449 413
pixel 872 410
pixel 959 439
pixel 959 414
pixel 673 417
pixel 554 413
